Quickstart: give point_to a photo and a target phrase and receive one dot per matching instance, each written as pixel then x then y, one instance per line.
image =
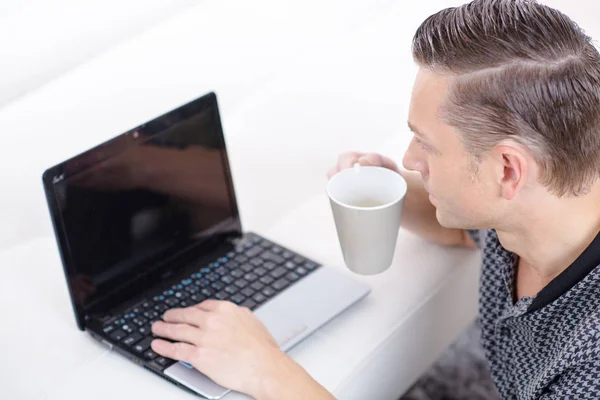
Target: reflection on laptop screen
pixel 162 188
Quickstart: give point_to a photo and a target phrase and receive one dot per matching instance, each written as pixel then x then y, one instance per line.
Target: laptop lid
pixel 124 211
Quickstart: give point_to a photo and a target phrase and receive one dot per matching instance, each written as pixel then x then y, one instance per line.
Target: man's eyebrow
pixel 415 130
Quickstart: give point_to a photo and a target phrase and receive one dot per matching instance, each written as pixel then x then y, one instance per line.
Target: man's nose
pixel 413 159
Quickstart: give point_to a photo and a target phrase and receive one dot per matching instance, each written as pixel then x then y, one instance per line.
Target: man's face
pixel 461 197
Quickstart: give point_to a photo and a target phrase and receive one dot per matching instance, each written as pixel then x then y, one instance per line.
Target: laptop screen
pixel 151 193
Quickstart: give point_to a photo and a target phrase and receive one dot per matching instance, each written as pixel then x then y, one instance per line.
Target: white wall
pixel 41 40
pixel 298 82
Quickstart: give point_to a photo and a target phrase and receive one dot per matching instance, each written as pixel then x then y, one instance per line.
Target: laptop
pixel 148 221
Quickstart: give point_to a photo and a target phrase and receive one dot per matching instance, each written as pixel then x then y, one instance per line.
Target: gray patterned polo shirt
pixel 545 347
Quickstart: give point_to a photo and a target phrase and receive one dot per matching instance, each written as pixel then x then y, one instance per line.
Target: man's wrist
pixel 286 379
pixel 271 381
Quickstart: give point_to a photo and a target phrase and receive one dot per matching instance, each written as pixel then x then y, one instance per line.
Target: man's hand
pixel 225 342
pixel 347 160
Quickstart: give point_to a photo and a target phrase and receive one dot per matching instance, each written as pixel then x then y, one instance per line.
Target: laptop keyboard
pixel 252 274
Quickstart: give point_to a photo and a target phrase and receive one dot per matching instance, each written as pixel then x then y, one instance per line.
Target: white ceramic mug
pixel 367 206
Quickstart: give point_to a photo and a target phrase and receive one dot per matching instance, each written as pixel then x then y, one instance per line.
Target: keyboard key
pixel 228 279
pixel 207 292
pixel 257 286
pixel 268 256
pixel 248 303
pixel 238 298
pixel 181 295
pixel 278 272
pixel 267 280
pixel 150 355
pixel 269 266
pixel 108 328
pixel 143 345
pixel 218 286
pixel 266 244
pixel 248 292
pixel 247 267
pixel 164 362
pixel 231 289
pixel 118 334
pixel 251 277
pixel 128 328
pixel 292 276
pixel 259 297
pixel 192 289
pixel 132 339
pixel 268 292
pixel 301 271
pixel 184 304
pixel 161 308
pixel 197 298
pixel 241 283
pixel 241 259
pixel 223 295
pixel 147 304
pixel 280 284
pixel 253 252
pixel 276 249
pixel 145 330
pixel 237 273
pixel 222 271
pixel 140 321
pixel 231 254
pixel 310 266
pixel 257 262
pixel 213 277
pixel 286 254
pixel 232 265
pixel 260 271
pixel 172 301
pixel 290 265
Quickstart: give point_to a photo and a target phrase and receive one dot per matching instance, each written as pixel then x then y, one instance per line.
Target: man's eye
pixel 420 143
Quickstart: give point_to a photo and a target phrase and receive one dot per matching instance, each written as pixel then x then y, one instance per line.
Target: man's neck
pixel 550 236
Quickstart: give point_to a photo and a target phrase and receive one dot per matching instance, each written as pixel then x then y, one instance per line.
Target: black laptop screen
pixel 153 192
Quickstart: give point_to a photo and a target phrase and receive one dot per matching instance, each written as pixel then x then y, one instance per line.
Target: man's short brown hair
pixel 524 71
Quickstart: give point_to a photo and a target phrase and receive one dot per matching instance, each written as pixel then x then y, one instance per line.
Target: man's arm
pixel 230 345
pixel 418 214
pixel 580 382
pixel 290 381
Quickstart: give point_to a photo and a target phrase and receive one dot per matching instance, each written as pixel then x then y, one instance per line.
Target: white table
pixel 375 350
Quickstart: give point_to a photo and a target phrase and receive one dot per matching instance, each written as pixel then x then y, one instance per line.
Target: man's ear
pixel 512 168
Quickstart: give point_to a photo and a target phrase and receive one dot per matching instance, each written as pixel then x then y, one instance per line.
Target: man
pixel 505 112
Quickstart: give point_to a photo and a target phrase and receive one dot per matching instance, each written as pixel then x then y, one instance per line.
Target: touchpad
pixel 281 326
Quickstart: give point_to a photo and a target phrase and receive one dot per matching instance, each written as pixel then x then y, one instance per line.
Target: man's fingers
pixel 178 332
pixel 190 315
pixel 348 160
pixel 213 305
pixel 176 351
pixel 333 171
pixel 378 160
